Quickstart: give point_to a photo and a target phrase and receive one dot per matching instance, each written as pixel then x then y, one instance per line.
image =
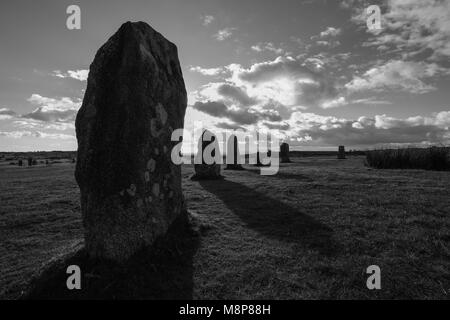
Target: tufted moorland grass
pixel 432 158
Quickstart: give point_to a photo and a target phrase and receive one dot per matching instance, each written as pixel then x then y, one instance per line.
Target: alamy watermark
pixel 258 147
pixel 73 21
pixel 374 19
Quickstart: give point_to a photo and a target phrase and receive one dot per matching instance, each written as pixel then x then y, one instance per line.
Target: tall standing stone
pixel 341 152
pixel 135 97
pixel 233 154
pixel 284 153
pixel 204 169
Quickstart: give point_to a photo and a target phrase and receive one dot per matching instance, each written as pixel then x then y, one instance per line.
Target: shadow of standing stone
pixel 130 188
pixel 162 271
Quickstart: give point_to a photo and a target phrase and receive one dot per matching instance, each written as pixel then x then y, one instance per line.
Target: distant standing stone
pixel 20 162
pixel 135 97
pixel 341 152
pixel 284 153
pixel 206 170
pixel 233 154
pixel 30 161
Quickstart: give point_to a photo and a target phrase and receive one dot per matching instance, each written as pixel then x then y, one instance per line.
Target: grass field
pixel 309 232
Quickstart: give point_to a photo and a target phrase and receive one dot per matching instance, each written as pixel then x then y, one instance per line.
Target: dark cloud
pixel 219 109
pixel 349 135
pixel 313 94
pixel 229 126
pixel 380 130
pixel 52 109
pixel 7 112
pixel 239 116
pixel 277 126
pixel 270 115
pixel 42 114
pixel 235 93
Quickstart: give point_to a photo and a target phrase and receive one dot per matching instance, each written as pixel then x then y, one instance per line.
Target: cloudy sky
pixel 309 71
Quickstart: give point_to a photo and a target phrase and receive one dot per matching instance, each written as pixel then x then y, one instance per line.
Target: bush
pixel 433 158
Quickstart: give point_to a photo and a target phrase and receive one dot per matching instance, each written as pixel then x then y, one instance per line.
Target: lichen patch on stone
pixel 132 190
pixel 162 114
pixel 155 189
pixel 151 164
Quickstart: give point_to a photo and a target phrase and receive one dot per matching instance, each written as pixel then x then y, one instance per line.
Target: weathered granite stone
pixel 341 152
pixel 205 170
pixel 135 95
pixel 233 149
pixel 284 153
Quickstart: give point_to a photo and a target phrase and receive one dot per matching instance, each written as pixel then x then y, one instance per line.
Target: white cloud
pixel 267 46
pixel 327 38
pixel 334 103
pixel 207 71
pixel 371 100
pixel 286 80
pixel 266 91
pixel 273 94
pixel 28 123
pixel 330 32
pixel 80 75
pixel 413 26
pixel 224 34
pixel 314 130
pixel 207 19
pixel 36 134
pixel 397 75
pixel 6 113
pixel 328 43
pixel 53 110
pixel 314 63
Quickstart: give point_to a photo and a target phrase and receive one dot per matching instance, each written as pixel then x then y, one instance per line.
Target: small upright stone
pixel 135 93
pixel 20 162
pixel 341 152
pixel 233 154
pixel 284 153
pixel 30 161
pixel 207 170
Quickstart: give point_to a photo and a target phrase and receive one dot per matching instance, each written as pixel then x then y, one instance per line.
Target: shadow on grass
pixel 283 175
pixel 273 218
pixel 161 272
